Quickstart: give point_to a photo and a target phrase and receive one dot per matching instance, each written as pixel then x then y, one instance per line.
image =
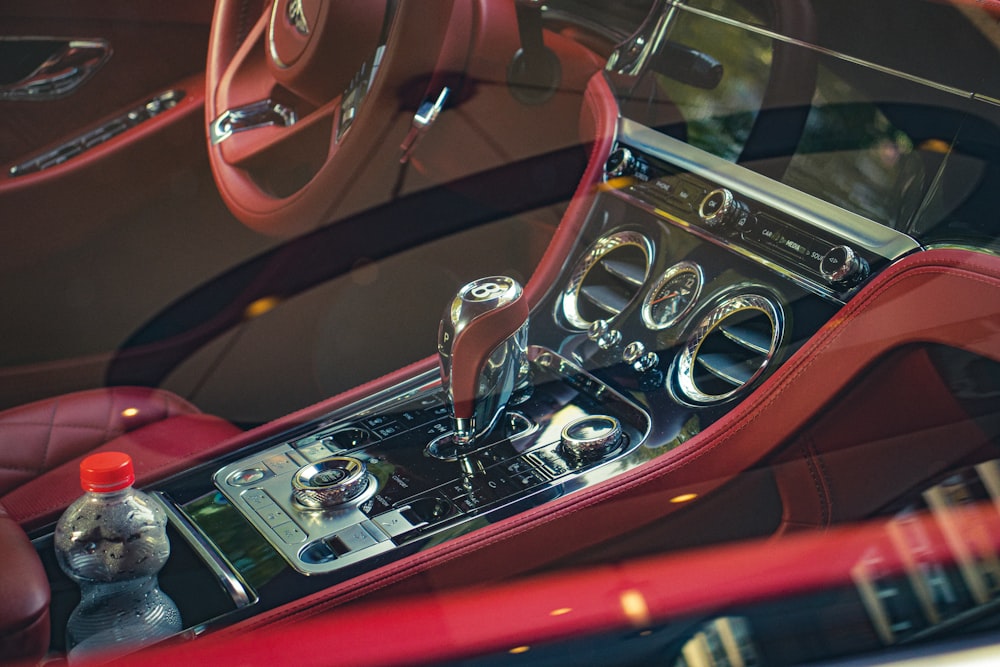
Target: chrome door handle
pixel 62 72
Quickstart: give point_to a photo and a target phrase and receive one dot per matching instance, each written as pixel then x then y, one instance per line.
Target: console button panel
pixel 415 492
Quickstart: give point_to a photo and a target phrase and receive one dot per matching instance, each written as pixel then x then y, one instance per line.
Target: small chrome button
pixel 329 482
pixel 623 162
pixel 590 438
pixel 248 476
pixel 601 333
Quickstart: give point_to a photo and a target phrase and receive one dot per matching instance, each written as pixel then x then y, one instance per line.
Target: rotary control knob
pixel 591 438
pixel 720 209
pixel 623 162
pixel 330 482
pixel 842 267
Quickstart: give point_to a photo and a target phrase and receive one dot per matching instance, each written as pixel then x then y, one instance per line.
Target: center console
pixel 382 482
pixel 689 283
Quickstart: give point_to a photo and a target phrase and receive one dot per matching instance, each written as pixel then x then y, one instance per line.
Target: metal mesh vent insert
pixel 730 348
pixel 606 279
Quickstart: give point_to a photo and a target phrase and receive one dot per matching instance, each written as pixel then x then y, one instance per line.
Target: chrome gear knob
pixel 482 348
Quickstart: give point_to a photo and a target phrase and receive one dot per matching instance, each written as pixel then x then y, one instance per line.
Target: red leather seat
pixel 41 446
pixel 42 443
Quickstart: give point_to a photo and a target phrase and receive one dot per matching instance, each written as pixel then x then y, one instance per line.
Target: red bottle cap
pixel 106 471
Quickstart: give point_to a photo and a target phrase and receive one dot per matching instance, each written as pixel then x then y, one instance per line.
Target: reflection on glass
pixel 850 153
pixel 719 120
pixel 236 539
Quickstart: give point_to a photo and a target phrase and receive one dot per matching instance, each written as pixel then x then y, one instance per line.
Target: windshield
pixel 905 148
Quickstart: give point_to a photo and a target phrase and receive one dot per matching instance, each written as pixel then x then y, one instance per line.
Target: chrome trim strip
pixel 272 49
pixel 264 113
pixel 874 237
pixel 239 591
pixel 95 137
pixel 805 283
pixel 995 252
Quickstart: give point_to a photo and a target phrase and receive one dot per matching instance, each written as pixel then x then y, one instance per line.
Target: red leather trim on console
pixel 45 434
pixel 932 297
pixel 598 128
pixel 446 628
pixel 898 426
pixel 175 444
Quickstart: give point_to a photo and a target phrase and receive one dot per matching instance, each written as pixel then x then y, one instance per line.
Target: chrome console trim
pixel 808 211
pixel 422 500
pixel 861 231
pixel 240 593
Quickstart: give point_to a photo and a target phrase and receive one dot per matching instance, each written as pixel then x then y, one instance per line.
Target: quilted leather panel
pixel 40 436
pixel 157 450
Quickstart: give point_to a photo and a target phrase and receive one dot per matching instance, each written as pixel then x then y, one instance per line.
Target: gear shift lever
pixel 482 345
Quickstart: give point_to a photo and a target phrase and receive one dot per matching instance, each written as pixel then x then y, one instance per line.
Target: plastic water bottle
pixel 113 543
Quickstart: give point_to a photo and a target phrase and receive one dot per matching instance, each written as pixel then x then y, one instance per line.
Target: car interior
pixel 402 297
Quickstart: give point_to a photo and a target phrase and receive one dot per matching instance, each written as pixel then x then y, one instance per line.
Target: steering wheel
pixel 299 102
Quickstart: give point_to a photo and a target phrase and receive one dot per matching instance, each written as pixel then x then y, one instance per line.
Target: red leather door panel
pixel 154 47
pixel 155 44
pixel 83 244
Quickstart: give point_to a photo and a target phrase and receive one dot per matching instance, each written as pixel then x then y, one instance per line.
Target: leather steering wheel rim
pixel 241 71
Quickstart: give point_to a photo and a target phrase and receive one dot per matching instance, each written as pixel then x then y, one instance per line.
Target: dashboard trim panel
pixel 858 230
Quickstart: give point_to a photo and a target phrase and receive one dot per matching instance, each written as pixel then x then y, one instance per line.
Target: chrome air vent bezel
pixel 585 286
pixel 688 361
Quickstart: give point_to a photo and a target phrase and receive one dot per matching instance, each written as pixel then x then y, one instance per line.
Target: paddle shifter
pixel 482 345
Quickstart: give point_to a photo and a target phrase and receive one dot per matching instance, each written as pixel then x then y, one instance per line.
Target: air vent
pixel 730 349
pixel 607 279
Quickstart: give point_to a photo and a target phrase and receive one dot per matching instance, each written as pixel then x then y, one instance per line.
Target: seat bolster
pixel 25 594
pixel 157 450
pixel 40 436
